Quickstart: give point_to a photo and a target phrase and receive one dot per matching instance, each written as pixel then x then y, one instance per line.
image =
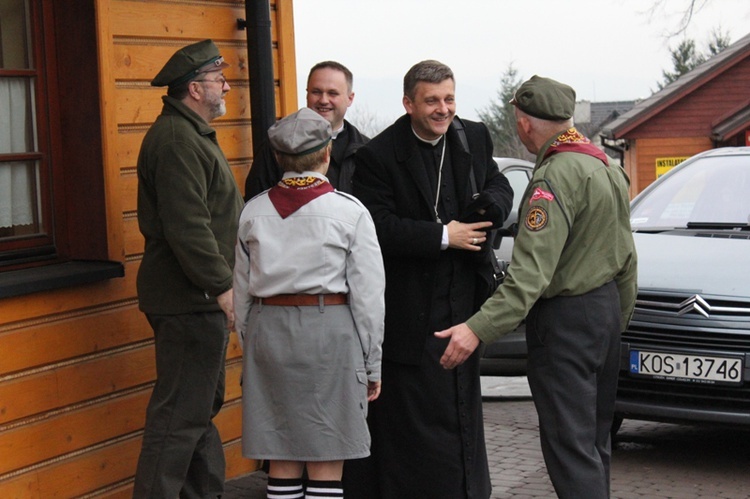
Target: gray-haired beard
pixel 217 107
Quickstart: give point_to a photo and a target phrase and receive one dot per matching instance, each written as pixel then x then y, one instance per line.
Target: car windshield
pixel 708 192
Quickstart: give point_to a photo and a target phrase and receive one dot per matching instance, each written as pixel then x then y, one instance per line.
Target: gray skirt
pixel 304 385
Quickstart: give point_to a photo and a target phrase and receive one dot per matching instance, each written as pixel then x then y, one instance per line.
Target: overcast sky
pixel 605 49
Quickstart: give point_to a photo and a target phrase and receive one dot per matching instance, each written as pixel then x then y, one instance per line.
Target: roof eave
pixel 678 89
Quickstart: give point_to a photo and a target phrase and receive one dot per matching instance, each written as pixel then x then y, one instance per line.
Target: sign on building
pixel 663 165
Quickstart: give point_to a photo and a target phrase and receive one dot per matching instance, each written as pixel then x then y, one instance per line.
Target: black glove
pixel 483 209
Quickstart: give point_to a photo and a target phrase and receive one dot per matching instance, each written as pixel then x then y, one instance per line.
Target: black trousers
pixel 574 345
pixel 182 454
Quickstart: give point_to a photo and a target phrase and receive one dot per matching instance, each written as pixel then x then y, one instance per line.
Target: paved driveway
pixel 650 460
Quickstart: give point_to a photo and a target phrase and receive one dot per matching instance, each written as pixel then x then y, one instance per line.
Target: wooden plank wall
pixel 77 366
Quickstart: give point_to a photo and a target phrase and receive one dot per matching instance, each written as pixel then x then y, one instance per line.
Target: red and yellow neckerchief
pixel 292 193
pixel 574 141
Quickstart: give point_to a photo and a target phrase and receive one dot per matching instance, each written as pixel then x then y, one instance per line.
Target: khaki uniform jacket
pixel 573 236
pixel 188 211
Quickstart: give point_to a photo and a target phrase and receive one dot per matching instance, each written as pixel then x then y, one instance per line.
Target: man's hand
pixel 373 390
pixel 462 344
pixel 467 236
pixel 226 302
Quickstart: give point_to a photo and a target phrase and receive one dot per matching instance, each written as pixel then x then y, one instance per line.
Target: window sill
pixel 62 275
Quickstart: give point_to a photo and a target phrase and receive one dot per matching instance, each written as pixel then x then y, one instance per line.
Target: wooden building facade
pixel 77 362
pixel 706 108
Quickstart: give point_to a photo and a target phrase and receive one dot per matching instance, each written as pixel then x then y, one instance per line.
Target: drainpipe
pixel 260 68
pixel 613 146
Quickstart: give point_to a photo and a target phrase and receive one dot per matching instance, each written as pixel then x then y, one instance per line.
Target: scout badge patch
pixel 541 194
pixel 536 218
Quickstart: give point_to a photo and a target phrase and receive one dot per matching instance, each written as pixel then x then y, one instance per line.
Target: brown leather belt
pixel 304 300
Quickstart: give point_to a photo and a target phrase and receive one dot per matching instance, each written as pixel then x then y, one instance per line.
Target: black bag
pixel 477 212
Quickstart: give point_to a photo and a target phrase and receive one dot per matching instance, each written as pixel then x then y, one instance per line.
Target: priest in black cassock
pixel 423 179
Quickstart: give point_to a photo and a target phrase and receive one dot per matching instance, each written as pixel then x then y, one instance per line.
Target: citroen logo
pixel 694 304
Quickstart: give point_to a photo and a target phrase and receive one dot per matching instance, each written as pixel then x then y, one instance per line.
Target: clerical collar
pixel 432 142
pixel 336 132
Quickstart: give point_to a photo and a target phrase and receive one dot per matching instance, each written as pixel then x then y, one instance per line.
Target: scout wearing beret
pixel 572 276
pixel 300 133
pixel 308 296
pixel 545 98
pixel 188 207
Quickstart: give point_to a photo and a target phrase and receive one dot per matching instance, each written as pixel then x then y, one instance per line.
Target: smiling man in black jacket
pixel 329 93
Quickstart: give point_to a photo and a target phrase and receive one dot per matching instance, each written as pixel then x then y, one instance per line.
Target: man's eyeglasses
pixel 220 80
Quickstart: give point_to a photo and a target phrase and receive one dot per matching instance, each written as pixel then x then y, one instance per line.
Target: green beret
pixel 188 62
pixel 545 98
pixel 300 133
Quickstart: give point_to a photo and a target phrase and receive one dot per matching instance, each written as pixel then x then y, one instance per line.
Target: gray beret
pixel 188 62
pixel 300 133
pixel 545 98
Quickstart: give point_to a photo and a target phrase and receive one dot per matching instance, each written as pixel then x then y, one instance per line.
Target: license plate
pixel 680 367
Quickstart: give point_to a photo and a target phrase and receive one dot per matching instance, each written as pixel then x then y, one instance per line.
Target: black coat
pixel 391 180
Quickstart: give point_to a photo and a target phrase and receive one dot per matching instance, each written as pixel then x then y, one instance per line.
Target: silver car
pixel 507 356
pixel 686 355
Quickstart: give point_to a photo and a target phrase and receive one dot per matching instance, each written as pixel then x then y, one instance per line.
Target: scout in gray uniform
pixel 188 206
pixel 309 287
pixel 573 277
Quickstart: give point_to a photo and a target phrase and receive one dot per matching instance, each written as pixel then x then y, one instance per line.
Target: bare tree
pixel 366 121
pixel 689 9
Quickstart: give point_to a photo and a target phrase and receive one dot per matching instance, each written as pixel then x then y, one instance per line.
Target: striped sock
pixel 319 489
pixel 284 488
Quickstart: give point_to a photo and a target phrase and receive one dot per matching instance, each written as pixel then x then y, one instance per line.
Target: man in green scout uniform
pixel 573 278
pixel 188 212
